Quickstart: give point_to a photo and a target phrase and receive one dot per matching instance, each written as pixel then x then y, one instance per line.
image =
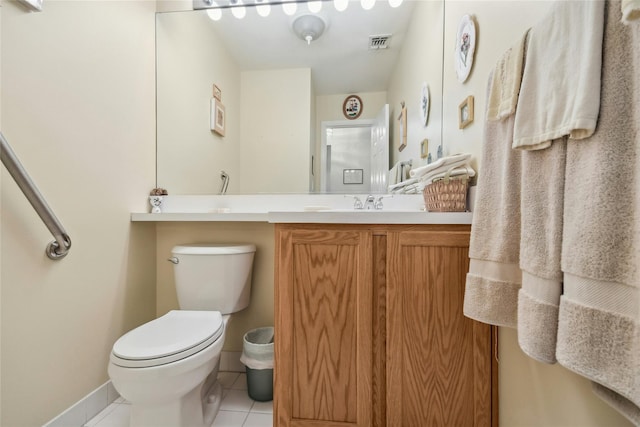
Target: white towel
pixel 560 92
pixel 395 174
pixel 507 76
pixel 440 163
pixel 630 11
pixel 494 278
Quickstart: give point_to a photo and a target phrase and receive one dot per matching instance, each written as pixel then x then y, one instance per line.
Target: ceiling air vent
pixel 379 42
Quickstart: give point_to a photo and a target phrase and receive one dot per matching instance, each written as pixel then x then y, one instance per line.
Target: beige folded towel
pixel 507 76
pixel 630 11
pixel 494 277
pixel 599 320
pixel 560 91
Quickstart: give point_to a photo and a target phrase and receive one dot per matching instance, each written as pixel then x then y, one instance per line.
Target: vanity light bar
pixel 228 4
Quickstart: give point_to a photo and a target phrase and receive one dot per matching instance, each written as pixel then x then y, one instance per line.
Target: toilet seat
pixel 169 338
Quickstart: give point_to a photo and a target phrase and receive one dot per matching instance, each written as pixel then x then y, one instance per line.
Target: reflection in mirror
pixel 279 90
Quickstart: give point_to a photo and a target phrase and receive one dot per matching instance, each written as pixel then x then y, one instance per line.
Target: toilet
pixel 167 368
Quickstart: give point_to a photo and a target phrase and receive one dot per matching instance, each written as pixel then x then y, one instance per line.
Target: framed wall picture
pixel 402 119
pixel 424 148
pixel 217 117
pixel 352 107
pixel 465 112
pixel 217 93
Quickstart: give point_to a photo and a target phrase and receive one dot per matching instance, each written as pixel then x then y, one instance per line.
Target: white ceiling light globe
pixel 239 11
pixel 314 6
pixel 290 7
pixel 263 9
pixel 341 5
pixel 367 4
pixel 214 14
pixel 395 3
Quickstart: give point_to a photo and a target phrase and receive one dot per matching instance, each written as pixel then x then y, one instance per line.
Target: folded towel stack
pixel 453 166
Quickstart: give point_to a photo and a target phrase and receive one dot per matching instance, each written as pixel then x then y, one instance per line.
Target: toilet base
pixel 195 409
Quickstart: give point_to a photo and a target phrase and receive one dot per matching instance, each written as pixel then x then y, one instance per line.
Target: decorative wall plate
pixel 465 47
pixel 352 107
pixel 424 103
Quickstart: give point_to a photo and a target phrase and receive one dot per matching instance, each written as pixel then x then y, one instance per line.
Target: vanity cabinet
pixel 370 330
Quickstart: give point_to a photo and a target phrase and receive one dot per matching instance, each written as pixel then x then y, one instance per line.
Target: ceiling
pixel 340 59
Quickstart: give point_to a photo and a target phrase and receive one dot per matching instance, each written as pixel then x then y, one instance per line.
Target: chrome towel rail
pixel 59 248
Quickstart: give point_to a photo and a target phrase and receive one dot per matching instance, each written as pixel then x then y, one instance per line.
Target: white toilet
pixel 168 368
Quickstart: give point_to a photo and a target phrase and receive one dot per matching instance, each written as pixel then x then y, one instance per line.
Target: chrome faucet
pixel 370 202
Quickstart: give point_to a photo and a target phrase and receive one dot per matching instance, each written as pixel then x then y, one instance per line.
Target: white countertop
pixel 299 208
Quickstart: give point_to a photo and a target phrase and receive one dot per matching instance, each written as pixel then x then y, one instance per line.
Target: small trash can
pixel 257 356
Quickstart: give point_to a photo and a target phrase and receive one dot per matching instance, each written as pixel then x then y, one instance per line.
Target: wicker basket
pixel 447 195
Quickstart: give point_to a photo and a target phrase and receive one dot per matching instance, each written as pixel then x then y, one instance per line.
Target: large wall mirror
pixel 282 81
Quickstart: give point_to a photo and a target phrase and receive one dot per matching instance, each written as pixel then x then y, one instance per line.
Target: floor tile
pixel 236 400
pixel 259 420
pixel 227 379
pixel 240 383
pixel 229 419
pixel 263 407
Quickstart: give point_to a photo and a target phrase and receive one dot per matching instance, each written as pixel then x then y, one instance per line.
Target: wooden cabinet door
pixel 438 361
pixel 323 327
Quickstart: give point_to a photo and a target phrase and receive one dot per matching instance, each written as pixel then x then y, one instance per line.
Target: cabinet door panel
pixel 438 361
pixel 323 341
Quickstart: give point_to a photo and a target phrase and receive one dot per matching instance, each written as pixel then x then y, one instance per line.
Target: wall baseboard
pixel 86 408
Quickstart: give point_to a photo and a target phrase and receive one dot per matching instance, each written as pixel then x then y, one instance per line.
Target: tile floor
pixel 236 410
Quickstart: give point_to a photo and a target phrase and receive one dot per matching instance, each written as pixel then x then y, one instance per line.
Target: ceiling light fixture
pixel 308 27
pixel 395 3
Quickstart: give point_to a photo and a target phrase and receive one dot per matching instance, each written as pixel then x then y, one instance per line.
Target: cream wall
pixel 260 310
pixel 275 126
pixel 531 393
pixel 190 62
pixel 419 61
pixel 78 108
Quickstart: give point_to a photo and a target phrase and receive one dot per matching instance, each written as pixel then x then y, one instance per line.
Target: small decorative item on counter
pixel 155 199
pixel 159 192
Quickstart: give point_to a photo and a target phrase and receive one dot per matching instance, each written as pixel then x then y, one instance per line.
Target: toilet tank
pixel 215 277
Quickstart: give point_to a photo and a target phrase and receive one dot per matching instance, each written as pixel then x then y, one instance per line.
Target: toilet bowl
pixel 167 368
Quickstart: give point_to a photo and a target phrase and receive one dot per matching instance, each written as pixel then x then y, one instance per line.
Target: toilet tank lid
pixel 213 249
